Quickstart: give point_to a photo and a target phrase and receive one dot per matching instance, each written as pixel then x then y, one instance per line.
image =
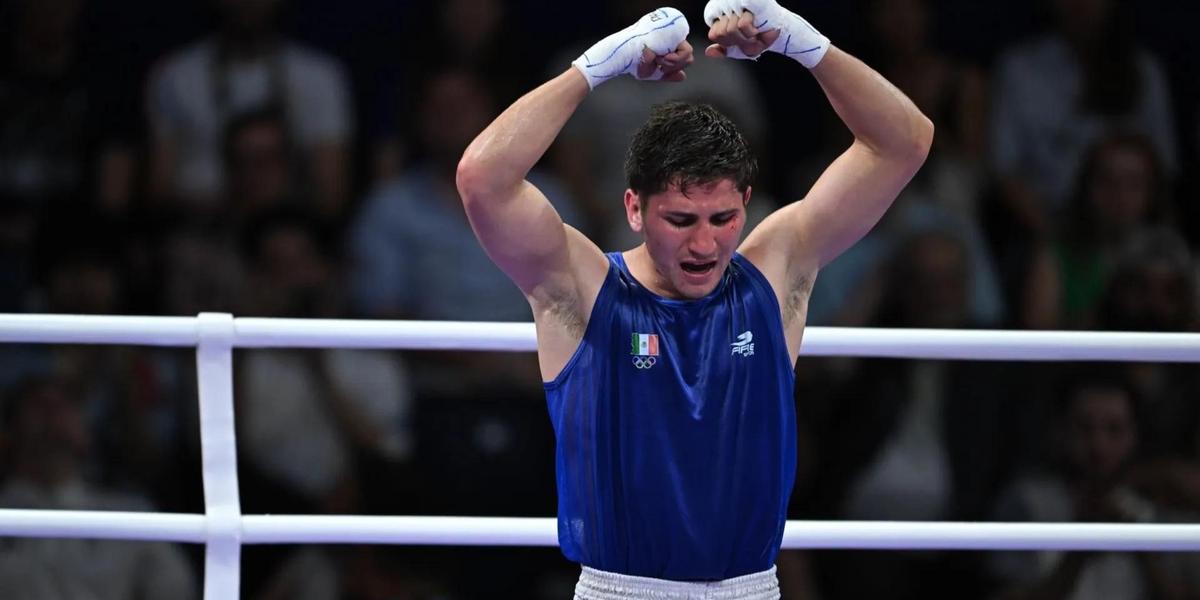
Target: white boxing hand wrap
pixel 662 31
pixel 797 38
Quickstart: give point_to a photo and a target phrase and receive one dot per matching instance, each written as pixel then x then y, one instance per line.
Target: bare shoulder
pixel 563 303
pixel 778 249
pixel 566 296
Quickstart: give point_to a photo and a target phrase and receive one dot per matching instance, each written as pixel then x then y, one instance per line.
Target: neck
pixel 642 268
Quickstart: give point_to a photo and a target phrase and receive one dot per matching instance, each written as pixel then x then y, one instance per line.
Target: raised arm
pixel 514 222
pixel 891 136
pixel 891 140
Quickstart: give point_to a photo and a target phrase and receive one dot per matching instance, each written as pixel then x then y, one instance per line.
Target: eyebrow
pixel 682 215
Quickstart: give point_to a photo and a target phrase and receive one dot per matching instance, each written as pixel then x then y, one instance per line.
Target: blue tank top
pixel 676 431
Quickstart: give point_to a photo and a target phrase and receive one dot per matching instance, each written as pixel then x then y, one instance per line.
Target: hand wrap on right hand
pixel 662 31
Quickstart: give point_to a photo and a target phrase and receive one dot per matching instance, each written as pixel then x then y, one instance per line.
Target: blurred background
pixel 295 158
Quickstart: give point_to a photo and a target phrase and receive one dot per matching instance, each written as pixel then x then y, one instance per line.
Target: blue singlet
pixel 676 431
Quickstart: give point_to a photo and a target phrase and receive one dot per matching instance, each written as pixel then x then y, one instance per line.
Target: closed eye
pixel 723 218
pixel 681 220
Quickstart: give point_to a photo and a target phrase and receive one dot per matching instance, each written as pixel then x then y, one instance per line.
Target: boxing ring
pixel 223 529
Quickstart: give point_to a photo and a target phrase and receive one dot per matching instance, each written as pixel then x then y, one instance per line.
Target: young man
pixel 668 367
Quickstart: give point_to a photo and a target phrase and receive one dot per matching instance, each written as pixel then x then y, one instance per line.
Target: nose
pixel 703 243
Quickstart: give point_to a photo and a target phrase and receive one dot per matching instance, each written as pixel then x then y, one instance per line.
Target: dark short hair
pixel 685 144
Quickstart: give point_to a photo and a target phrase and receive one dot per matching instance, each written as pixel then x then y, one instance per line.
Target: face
pixel 689 237
pixel 294 273
pixel 49 427
pixel 1121 189
pixel 456 107
pixel 249 16
pixel 86 287
pixel 1155 298
pixel 259 173
pixel 1100 431
pixel 474 22
pixel 935 283
pixel 1082 20
pixel 900 24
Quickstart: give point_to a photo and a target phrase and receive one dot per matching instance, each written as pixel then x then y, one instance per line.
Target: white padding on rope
pixel 214 368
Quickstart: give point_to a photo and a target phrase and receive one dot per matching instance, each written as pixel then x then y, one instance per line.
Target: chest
pixel 731 342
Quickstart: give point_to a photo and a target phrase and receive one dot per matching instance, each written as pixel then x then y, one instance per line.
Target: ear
pixel 633 211
pixel 746 196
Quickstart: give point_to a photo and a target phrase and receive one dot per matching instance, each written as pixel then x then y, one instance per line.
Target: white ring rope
pixel 446 335
pixel 224 529
pixel 518 531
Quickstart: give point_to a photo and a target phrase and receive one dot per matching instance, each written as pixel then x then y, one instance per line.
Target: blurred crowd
pixel 296 158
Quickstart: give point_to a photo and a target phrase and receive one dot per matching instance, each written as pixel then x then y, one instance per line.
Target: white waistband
pixel 601 585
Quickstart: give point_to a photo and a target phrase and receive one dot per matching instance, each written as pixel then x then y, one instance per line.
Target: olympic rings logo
pixel 644 362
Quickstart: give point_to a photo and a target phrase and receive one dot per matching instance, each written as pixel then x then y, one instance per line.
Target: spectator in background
pixel 18 227
pixel 201 270
pixel 945 193
pixel 1055 97
pixel 487 42
pixel 1120 190
pixel 195 93
pixel 260 162
pixel 63 136
pixel 306 416
pixel 1154 288
pixel 1096 427
pixel 1057 94
pixel 46 443
pixel 1153 285
pixel 952 93
pixel 414 255
pixel 201 261
pixel 200 258
pixel 318 428
pixel 63 133
pixel 137 401
pixel 913 440
pixel 848 291
pixel 485 440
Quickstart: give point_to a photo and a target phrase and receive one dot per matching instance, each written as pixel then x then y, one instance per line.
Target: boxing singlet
pixel 676 431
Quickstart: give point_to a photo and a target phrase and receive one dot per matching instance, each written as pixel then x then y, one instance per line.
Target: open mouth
pixel 698 268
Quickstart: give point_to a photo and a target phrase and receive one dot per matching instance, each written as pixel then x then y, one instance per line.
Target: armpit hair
pixel 563 308
pixel 796 302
